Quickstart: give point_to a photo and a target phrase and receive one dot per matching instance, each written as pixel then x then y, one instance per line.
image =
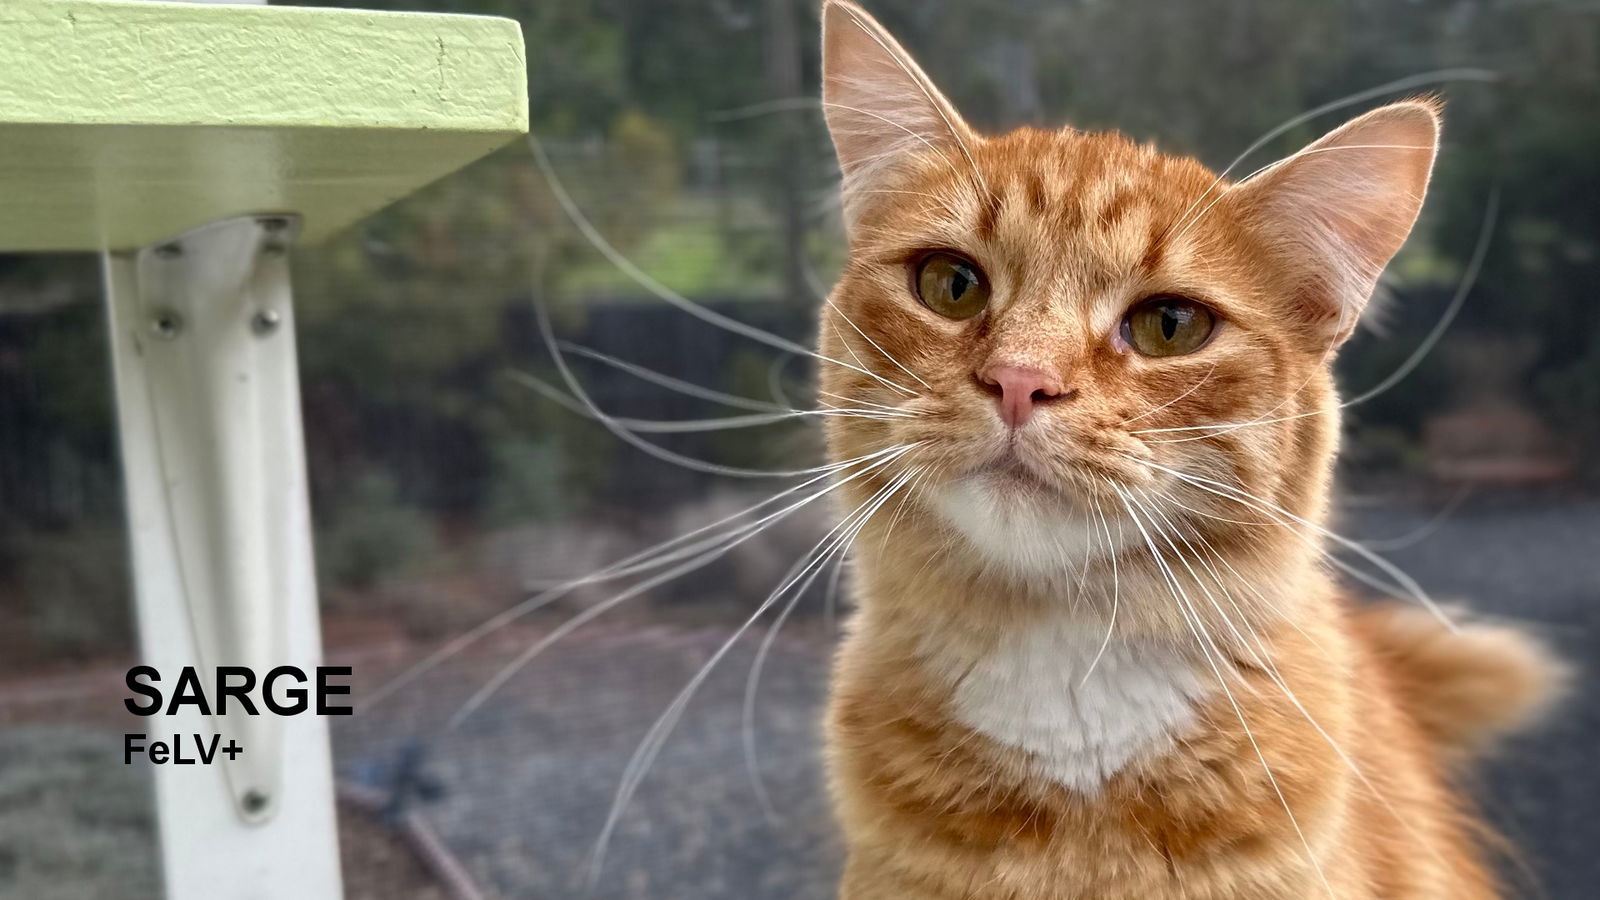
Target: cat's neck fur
pixel 1037 665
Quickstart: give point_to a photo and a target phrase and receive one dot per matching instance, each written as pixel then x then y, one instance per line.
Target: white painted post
pixel 202 333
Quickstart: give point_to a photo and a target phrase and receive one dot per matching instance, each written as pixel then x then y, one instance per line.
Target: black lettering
pixel 296 695
pixel 324 690
pixel 144 690
pixel 240 692
pixel 131 744
pixel 189 692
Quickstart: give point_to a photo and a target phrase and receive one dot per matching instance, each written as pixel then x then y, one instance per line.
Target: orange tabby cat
pixel 1097 653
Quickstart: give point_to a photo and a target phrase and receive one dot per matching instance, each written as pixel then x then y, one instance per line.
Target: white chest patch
pixel 1027 694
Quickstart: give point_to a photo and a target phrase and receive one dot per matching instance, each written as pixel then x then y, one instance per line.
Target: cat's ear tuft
pixel 1336 212
pixel 881 108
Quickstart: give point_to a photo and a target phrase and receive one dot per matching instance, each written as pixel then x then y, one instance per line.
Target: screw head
pixel 254 802
pixel 166 324
pixel 273 224
pixel 265 322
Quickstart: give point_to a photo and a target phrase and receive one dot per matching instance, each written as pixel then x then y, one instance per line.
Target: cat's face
pixel 1064 315
pixel 1081 329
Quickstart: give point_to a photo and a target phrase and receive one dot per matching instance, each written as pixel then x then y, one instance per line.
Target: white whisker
pixel 740 536
pixel 686 426
pixel 1276 164
pixel 933 101
pixel 1441 76
pixel 645 754
pixel 1422 532
pixel 641 561
pixel 830 599
pixel 659 452
pixel 775 379
pixel 1116 590
pixel 884 407
pixel 1263 659
pixel 1411 589
pixel 661 291
pixel 675 384
pixel 875 344
pixel 1469 279
pixel 1156 409
pixel 753 681
pixel 1212 653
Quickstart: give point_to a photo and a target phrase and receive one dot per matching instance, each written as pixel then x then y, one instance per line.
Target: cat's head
pixel 1069 320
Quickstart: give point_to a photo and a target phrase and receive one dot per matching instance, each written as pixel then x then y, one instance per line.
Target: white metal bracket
pixel 213 455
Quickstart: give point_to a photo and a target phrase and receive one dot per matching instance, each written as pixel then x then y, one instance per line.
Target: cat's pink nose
pixel 1020 389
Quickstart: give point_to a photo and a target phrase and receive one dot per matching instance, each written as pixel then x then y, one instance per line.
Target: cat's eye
pixel 1168 326
pixel 952 286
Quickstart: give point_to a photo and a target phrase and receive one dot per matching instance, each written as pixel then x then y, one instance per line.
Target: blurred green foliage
pixel 374 534
pixel 74 587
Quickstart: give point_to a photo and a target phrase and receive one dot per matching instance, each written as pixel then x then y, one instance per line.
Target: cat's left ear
pixel 1336 212
pixel 882 109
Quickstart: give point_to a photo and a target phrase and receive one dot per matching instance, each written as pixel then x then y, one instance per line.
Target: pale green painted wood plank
pixel 122 123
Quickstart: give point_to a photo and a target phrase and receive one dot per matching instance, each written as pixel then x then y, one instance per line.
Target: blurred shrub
pixel 76 590
pixel 531 478
pixel 1571 395
pixel 371 534
pixel 406 321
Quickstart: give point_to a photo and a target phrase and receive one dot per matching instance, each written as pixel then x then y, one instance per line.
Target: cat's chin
pixel 1019 524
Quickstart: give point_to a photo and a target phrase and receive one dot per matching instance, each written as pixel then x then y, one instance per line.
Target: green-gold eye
pixel 952 286
pixel 1168 326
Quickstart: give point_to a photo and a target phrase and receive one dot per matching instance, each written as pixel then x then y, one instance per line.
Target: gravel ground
pixel 73 825
pixel 527 781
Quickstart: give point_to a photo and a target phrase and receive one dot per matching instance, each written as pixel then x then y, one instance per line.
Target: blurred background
pixel 445 489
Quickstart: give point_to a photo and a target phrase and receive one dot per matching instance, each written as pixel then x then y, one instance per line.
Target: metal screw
pixel 253 801
pixel 273 224
pixel 274 248
pixel 166 324
pixel 265 322
pixel 170 251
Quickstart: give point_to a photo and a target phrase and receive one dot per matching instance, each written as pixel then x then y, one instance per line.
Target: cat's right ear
pixel 881 107
pixel 1337 211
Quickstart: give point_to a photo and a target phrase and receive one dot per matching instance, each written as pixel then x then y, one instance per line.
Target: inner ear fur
pixel 1335 213
pixel 881 108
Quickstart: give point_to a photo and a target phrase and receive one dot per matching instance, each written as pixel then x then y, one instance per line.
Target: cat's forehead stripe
pixel 1099 198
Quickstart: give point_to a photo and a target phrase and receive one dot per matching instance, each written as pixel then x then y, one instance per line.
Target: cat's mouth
pixel 1020 513
pixel 1012 472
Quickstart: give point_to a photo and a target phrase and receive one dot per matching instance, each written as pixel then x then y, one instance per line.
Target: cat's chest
pixel 1082 708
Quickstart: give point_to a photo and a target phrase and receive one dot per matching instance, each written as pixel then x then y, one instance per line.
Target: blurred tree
pixel 669 122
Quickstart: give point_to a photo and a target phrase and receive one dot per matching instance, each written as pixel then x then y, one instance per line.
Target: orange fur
pixel 1246 730
pixel 1463 688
